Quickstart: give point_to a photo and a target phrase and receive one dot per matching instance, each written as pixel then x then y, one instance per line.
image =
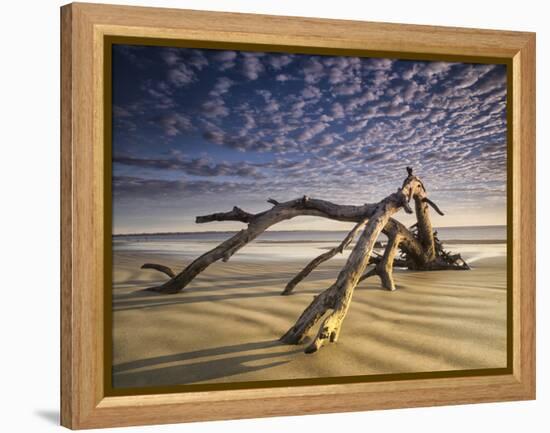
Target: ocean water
pixel 474 243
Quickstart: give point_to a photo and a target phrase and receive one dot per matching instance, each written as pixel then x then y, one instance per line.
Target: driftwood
pixel 419 249
pixel 322 258
pixel 161 268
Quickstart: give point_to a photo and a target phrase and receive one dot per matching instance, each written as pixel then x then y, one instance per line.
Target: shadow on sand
pixel 254 288
pixel 201 371
pixel 140 298
pixel 149 300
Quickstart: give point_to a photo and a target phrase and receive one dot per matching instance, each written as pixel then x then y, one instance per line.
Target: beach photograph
pixel 282 216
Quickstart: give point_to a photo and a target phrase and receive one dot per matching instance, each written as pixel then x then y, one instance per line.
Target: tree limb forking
pixel 419 248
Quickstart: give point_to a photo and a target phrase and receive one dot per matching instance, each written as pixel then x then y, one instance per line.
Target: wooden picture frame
pixel 85 212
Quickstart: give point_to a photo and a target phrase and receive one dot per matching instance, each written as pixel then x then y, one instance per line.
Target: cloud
pixel 252 66
pixel 171 56
pixel 435 68
pixel 397 110
pixel 311 92
pixel 326 140
pixel 380 78
pixel 174 124
pixel 411 71
pixel 183 65
pixel 225 60
pixel 181 76
pixel 378 64
pixel 283 77
pixel 279 61
pixel 271 105
pixel 161 94
pixel 360 101
pixel 313 71
pixel 197 59
pixel 347 89
pixel 223 84
pixel 215 108
pixel 224 56
pixel 195 167
pixel 359 126
pixel 337 110
pixel 490 82
pixel 311 131
pixel 293 124
pixel 132 188
pixel 411 90
pixel 119 111
pixel 343 70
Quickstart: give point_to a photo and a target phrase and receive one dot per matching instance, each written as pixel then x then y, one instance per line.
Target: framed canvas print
pixel 278 216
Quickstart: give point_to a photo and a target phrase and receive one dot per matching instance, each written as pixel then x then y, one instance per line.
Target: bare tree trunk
pixel 424 227
pixel 338 297
pixel 385 267
pixel 258 223
pixel 420 249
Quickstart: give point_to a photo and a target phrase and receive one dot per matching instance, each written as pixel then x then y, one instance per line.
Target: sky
pixel 199 131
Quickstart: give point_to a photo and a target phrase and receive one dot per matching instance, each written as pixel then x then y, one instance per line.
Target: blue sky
pixel 199 131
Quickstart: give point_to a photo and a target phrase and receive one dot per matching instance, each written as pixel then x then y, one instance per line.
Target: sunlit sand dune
pixel 224 326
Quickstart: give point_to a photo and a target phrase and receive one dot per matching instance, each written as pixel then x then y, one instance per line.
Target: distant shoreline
pixel 232 232
pixel 450 241
pixel 444 242
pixel 331 242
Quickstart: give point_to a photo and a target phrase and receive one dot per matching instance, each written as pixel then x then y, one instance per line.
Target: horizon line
pixel 278 231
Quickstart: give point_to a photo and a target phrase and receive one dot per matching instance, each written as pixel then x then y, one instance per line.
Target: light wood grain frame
pixel 83 212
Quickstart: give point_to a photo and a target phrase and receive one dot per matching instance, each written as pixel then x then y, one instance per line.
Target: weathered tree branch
pixel 236 214
pixel 258 223
pixel 369 274
pixel 337 298
pixel 322 258
pixel 419 248
pixel 385 267
pixel 161 268
pixel 432 204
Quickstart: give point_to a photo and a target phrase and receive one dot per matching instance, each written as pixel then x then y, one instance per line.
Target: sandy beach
pixel 225 325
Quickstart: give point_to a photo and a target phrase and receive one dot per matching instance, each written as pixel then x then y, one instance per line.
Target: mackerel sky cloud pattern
pixel 196 131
